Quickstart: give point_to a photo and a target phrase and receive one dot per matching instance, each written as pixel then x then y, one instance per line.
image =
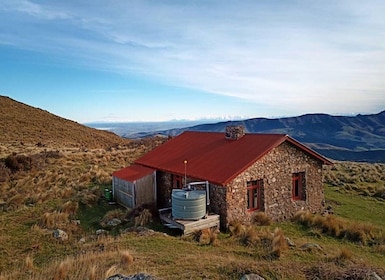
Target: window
pixel 298 188
pixel 177 182
pixel 254 195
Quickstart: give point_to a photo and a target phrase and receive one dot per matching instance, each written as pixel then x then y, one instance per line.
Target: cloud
pixel 316 56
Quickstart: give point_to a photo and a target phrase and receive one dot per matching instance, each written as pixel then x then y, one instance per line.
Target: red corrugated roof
pixel 210 156
pixel 133 172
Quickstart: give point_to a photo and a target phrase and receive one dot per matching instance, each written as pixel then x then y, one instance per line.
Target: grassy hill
pixel 60 186
pixel 27 125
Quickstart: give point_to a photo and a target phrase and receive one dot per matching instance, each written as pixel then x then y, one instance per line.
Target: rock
pixel 60 234
pixel 101 232
pixel 374 276
pixel 252 277
pixel 114 222
pixel 82 240
pixel 310 246
pixel 290 242
pixel 139 276
pixel 76 222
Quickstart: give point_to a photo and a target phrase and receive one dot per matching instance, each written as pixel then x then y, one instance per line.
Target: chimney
pixel 234 132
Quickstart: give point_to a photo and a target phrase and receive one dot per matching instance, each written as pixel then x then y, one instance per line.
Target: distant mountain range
pixel 357 138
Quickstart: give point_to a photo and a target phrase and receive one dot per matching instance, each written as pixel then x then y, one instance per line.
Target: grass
pixel 360 208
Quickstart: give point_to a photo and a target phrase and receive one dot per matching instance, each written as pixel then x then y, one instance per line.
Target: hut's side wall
pixel 123 192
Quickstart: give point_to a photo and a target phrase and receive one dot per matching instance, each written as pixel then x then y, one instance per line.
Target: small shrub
pixel 126 259
pixel 18 163
pixel 261 219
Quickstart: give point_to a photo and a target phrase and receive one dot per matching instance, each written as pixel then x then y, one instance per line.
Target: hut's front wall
pixel 145 192
pixel 276 169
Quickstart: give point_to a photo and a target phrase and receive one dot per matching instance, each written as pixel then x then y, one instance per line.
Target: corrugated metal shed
pixel 212 157
pixel 133 172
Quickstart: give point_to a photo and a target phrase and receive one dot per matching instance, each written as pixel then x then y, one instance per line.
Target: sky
pixel 131 60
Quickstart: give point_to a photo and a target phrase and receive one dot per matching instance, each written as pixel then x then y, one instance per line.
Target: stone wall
pixel 276 169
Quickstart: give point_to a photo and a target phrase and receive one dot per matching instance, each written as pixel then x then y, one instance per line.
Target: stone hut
pixel 247 173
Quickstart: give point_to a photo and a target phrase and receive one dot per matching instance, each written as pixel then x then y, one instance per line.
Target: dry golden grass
pixel 279 244
pixel 207 236
pixel 126 258
pixel 54 220
pixel 261 219
pixel 359 232
pixel 144 218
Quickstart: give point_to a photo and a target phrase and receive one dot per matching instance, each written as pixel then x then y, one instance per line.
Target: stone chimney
pixel 234 132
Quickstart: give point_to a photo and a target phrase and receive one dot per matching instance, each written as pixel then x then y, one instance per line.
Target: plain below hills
pixel 353 138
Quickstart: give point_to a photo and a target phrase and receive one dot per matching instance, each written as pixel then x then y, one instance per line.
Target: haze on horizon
pixel 171 60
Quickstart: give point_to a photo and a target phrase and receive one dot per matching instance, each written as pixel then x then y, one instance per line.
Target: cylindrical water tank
pixel 188 204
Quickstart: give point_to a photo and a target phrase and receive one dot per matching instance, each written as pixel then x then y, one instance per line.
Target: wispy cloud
pixel 318 56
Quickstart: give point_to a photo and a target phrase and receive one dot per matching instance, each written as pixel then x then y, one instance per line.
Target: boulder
pixel 310 247
pixel 60 234
pixel 114 222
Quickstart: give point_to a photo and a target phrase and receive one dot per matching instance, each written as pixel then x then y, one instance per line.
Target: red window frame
pixel 297 186
pixel 254 195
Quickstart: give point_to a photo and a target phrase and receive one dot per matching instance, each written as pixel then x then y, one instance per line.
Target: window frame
pixel 254 185
pixel 298 186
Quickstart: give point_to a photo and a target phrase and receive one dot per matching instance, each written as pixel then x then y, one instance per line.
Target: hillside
pixel 27 125
pixel 358 138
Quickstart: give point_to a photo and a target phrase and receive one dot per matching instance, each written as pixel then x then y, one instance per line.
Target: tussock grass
pixel 207 236
pixel 279 243
pixel 331 225
pixel 54 220
pixel 144 218
pixel 126 258
pixel 261 219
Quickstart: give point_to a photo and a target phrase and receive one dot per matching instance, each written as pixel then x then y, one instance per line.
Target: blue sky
pixel 160 60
